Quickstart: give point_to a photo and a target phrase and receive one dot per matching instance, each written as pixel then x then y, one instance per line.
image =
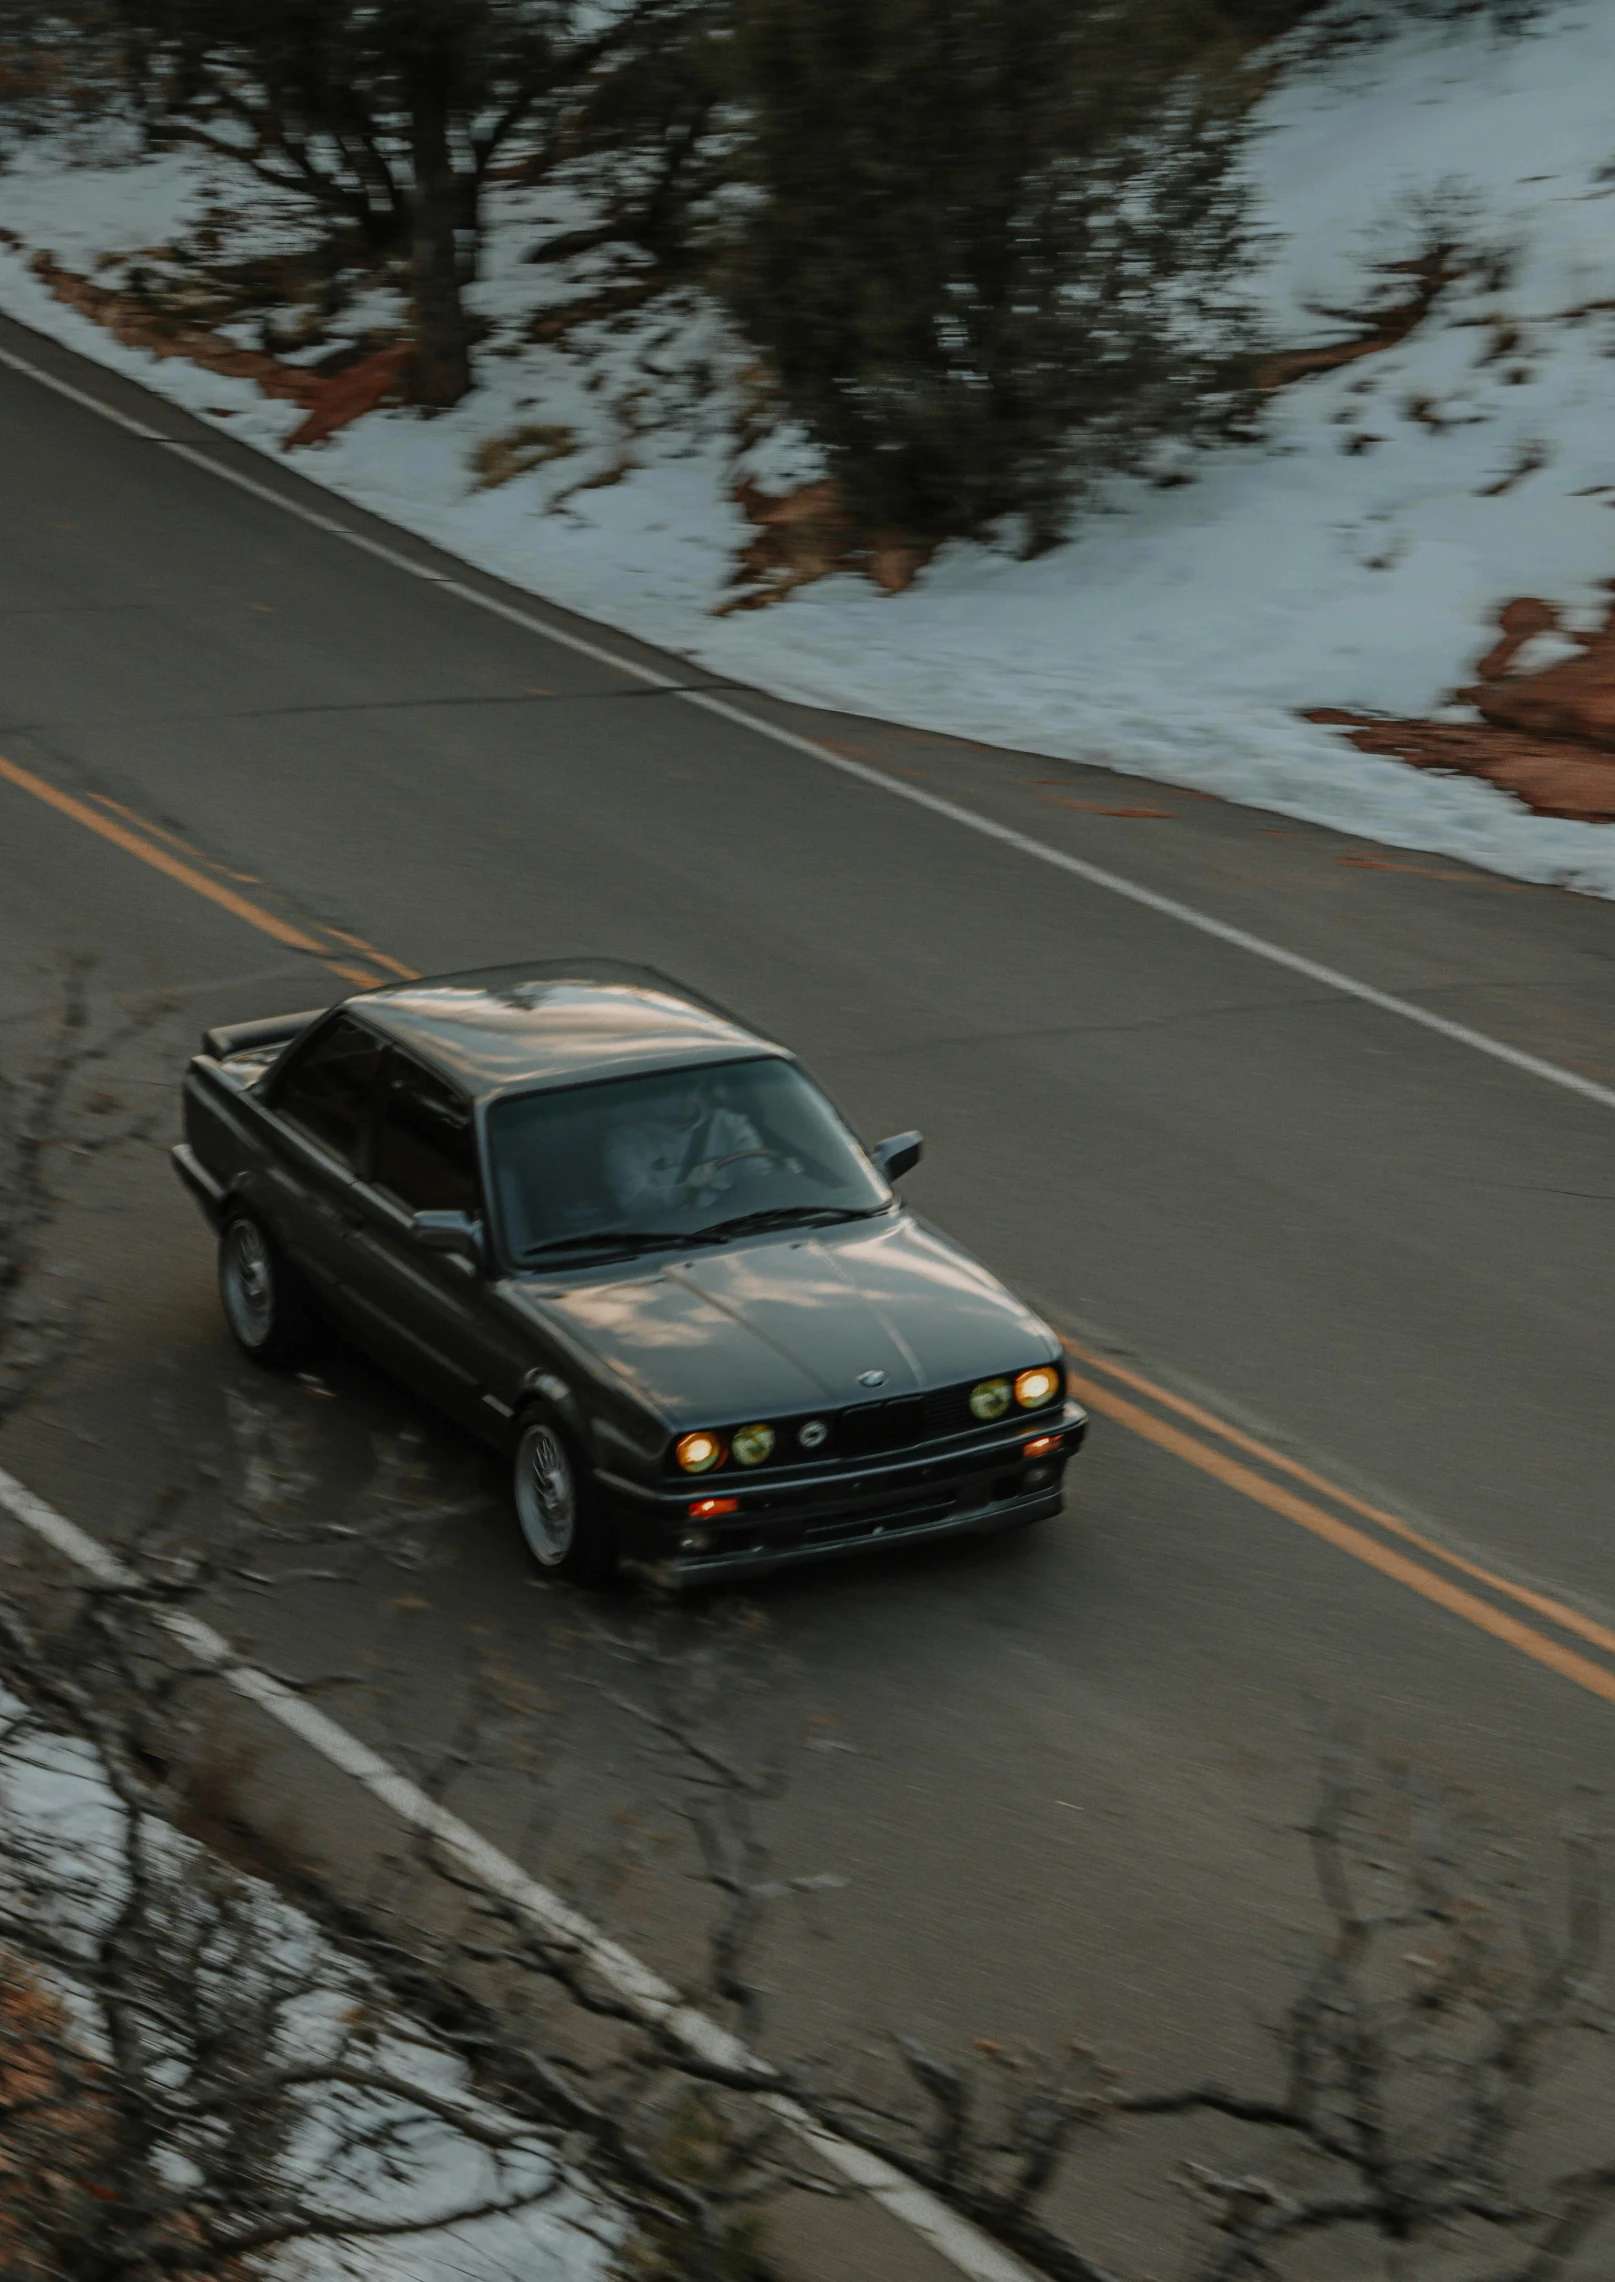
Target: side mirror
pixel 899 1155
pixel 452 1232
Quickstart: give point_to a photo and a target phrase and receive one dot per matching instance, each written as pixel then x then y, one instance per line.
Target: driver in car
pixel 679 1152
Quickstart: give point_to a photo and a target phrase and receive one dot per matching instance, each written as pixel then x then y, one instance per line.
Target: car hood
pixel 798 1322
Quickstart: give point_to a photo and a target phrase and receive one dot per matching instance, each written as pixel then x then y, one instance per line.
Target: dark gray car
pixel 633 1245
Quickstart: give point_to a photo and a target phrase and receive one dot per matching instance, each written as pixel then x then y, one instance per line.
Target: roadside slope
pixel 1359 565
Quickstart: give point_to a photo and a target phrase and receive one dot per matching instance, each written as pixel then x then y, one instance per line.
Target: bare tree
pixel 61 1106
pixel 650 142
pixel 165 2107
pixel 1405 2111
pixel 156 2104
pixel 390 119
pixel 186 2081
pixel 1406 2115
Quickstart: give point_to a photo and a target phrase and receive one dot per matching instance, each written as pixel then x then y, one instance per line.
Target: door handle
pixel 347 1217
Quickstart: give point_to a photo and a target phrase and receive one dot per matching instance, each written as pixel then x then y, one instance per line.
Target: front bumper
pixel 784 1523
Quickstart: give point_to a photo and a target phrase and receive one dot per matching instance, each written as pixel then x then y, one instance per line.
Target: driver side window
pixel 426 1149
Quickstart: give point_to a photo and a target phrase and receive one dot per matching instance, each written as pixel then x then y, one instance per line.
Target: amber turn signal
pixel 699 1453
pixel 1035 1387
pixel 1039 1445
pixel 704 1509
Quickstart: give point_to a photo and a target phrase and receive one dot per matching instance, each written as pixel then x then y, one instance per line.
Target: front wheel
pixel 266 1303
pixel 558 1507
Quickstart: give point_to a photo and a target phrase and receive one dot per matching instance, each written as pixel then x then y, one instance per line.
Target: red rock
pixel 1518 621
pixel 1574 701
pixel 330 402
pixel 1382 329
pixel 348 396
pixel 1548 737
pixel 1551 779
pixel 807 534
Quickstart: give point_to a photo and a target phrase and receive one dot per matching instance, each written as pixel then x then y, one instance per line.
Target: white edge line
pixel 81 396
pixel 971 2252
pixel 960 2243
pixel 1168 906
pixel 955 2239
pixel 1114 883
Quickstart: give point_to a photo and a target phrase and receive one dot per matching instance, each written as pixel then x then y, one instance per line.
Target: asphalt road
pixel 1062 1774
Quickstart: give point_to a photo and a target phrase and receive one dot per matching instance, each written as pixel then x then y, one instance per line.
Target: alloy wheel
pixel 249 1283
pixel 546 1496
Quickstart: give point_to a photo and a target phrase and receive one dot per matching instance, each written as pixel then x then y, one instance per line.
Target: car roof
pixel 552 1022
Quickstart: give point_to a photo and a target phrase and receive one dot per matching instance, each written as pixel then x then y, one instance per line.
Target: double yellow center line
pixel 1433 1576
pixel 203 877
pixel 1389 1544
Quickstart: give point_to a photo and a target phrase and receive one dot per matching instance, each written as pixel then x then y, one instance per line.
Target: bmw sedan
pixel 630 1243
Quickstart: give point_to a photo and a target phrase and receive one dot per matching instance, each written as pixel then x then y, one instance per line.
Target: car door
pixel 316 1124
pixel 428 1314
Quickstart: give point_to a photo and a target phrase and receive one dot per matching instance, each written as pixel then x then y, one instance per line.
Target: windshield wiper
pixel 789 1216
pixel 716 1232
pixel 616 1240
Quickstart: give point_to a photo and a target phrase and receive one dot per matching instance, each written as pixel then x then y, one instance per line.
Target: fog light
pixel 1035 1477
pixel 990 1399
pixel 1033 1388
pixel 696 1541
pixel 707 1509
pixel 750 1445
pixel 699 1453
pixel 1033 1449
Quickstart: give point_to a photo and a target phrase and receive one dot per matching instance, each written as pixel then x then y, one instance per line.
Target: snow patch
pixel 1358 562
pixel 61 1816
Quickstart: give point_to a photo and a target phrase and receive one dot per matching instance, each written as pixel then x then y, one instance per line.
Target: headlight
pixel 1034 1388
pixel 699 1453
pixel 750 1445
pixel 990 1399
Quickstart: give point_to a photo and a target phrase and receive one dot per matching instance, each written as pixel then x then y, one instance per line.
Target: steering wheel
pixel 698 1176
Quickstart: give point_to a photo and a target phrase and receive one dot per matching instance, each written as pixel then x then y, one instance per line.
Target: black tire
pixel 559 1508
pixel 266 1302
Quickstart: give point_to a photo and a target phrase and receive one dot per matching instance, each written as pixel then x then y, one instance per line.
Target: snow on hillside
pixel 1357 562
pixel 62 1866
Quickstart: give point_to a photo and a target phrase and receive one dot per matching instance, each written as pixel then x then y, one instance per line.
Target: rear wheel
pixel 558 1505
pixel 266 1302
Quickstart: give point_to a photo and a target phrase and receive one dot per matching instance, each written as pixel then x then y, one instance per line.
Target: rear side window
pixel 328 1089
pixel 426 1151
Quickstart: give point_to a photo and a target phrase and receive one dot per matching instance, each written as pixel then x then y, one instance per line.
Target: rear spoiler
pixel 252 1037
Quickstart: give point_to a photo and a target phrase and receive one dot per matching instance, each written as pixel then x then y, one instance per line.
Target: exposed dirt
pixel 330 400
pixel 1552 780
pixel 807 534
pixel 62 2141
pixel 1548 737
pixel 48 2096
pixel 1572 701
pixel 1430 272
pixel 347 396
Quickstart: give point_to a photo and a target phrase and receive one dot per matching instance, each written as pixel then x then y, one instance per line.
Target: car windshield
pixel 675 1157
